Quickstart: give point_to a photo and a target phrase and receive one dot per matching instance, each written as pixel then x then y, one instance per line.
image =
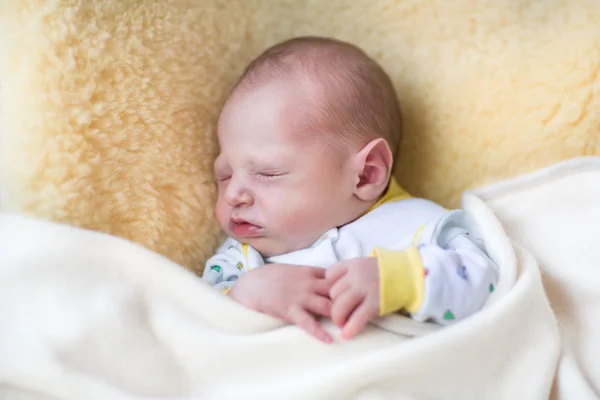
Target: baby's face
pixel 279 188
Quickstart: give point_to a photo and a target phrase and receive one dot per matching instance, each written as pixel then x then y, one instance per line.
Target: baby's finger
pixel 357 321
pixel 319 305
pixel 336 272
pixel 338 288
pixel 344 305
pixel 322 287
pixel 318 272
pixel 308 323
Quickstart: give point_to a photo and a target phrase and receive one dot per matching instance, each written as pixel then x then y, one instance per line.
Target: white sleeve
pixel 459 276
pixel 226 266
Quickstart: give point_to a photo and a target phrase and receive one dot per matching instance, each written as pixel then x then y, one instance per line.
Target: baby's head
pixel 307 141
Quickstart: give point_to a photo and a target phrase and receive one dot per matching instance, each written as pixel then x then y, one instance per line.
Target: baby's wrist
pixel 240 296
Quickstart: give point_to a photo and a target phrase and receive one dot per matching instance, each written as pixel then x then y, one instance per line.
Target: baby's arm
pixel 226 266
pixel 443 281
pixel 292 293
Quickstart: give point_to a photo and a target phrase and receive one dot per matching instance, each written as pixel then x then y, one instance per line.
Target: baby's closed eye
pixel 268 175
pixel 221 171
pixel 222 177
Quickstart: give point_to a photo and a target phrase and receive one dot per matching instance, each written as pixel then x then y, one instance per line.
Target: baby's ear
pixel 373 164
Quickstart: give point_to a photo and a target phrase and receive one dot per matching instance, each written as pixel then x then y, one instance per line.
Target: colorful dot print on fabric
pixel 449 316
pixel 462 272
pixel 239 265
pixel 491 287
pixel 425 271
pixel 216 268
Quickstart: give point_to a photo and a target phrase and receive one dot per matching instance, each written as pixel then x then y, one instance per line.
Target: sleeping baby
pixel 317 225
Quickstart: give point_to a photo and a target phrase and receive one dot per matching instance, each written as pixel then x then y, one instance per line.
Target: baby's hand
pixel 355 294
pixel 292 293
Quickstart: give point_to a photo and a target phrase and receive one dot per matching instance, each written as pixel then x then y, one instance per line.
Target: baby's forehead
pixel 316 96
pixel 287 135
pixel 293 100
pixel 271 112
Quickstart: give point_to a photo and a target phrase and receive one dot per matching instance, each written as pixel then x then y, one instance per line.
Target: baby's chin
pixel 266 246
pixel 269 247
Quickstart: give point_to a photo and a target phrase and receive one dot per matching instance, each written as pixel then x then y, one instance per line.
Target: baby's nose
pixel 244 198
pixel 236 195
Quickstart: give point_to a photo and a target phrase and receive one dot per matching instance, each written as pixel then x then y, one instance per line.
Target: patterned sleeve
pixel 226 266
pixel 458 279
pixel 445 276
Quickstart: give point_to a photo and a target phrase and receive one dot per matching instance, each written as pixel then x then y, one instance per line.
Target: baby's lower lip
pixel 245 229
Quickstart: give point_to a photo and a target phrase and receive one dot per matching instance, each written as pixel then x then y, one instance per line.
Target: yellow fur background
pixel 108 107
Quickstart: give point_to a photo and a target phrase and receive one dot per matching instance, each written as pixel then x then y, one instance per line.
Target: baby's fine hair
pixel 358 101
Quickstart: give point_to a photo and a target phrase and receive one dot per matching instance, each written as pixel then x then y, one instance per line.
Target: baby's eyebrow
pixel 263 165
pixel 253 164
pixel 219 164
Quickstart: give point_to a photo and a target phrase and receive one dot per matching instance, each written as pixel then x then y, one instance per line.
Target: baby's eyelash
pixel 269 175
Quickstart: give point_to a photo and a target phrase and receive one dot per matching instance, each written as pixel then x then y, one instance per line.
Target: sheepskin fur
pixel 109 106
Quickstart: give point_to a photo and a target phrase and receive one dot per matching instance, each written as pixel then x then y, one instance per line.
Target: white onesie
pixel 432 264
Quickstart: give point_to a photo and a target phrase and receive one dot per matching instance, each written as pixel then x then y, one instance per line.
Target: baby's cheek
pixel 222 215
pixel 302 220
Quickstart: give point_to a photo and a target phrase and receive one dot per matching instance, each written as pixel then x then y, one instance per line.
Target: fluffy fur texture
pixel 109 107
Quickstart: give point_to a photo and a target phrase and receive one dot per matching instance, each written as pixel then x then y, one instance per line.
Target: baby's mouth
pixel 244 229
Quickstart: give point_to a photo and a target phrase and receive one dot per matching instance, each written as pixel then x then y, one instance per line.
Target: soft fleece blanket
pixel 85 315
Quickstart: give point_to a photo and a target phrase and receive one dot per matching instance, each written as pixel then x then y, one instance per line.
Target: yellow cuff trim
pixel 225 290
pixel 401 280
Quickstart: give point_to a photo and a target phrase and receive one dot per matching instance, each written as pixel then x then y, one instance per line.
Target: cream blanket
pixel 84 315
